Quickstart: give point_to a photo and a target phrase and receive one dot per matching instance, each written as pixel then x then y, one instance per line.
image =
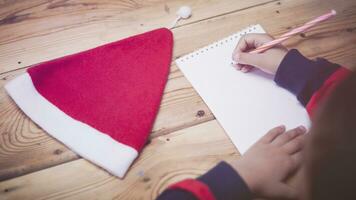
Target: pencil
pixel 293 32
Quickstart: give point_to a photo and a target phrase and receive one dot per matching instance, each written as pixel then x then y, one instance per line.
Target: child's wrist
pixel 242 170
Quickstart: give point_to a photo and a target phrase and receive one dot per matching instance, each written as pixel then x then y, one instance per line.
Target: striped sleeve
pixel 220 183
pixel 310 80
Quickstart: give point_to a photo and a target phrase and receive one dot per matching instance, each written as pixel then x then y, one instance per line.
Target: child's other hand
pixel 267 164
pixel 267 61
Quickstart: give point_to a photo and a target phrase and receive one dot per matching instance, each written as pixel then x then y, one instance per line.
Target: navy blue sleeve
pixel 226 184
pixel 223 181
pixel 302 76
pixel 176 195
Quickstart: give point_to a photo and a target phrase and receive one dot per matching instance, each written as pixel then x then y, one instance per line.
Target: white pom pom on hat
pixel 183 12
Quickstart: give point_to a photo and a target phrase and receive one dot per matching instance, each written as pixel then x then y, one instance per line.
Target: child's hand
pixel 267 61
pixel 267 164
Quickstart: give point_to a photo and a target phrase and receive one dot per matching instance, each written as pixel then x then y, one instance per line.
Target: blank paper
pixel 246 105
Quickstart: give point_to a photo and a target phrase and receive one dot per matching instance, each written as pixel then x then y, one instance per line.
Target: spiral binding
pixel 219 43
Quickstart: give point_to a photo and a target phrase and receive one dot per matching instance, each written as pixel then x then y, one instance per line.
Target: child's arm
pixel 221 181
pixel 260 173
pixel 309 80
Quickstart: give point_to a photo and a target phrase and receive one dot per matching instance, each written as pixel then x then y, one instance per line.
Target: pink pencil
pixel 295 31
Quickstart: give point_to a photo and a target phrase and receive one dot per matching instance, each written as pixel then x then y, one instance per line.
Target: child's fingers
pixel 255 40
pixel 295 145
pixel 289 135
pixel 243 68
pixel 240 47
pixel 246 68
pixel 250 41
pixel 272 134
pixel 255 60
pixel 247 61
pixel 238 66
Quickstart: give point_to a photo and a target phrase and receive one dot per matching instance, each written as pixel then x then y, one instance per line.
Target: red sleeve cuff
pixel 325 90
pixel 199 189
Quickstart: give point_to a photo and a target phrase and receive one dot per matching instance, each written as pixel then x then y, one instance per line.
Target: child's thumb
pixel 248 59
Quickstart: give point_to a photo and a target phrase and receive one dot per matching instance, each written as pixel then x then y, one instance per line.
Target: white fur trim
pixel 83 139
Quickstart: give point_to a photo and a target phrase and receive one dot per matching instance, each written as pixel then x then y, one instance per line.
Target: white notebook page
pixel 246 105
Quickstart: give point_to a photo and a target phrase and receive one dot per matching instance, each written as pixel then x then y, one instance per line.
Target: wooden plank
pixel 182 154
pixel 36 150
pixel 331 39
pixel 35 32
pixel 336 32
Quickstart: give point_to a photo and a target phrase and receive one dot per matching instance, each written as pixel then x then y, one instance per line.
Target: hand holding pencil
pixel 267 61
pixel 266 53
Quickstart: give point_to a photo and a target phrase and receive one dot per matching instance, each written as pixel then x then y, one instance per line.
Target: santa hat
pixel 101 103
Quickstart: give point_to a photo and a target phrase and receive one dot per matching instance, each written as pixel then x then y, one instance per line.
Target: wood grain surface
pixel 169 158
pixel 186 140
pixel 179 108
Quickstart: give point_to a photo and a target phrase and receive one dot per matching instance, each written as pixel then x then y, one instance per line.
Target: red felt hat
pixel 101 103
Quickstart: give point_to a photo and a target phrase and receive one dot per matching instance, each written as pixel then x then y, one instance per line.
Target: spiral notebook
pixel 246 105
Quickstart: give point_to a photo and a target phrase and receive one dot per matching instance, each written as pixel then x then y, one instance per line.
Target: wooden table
pixel 186 139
